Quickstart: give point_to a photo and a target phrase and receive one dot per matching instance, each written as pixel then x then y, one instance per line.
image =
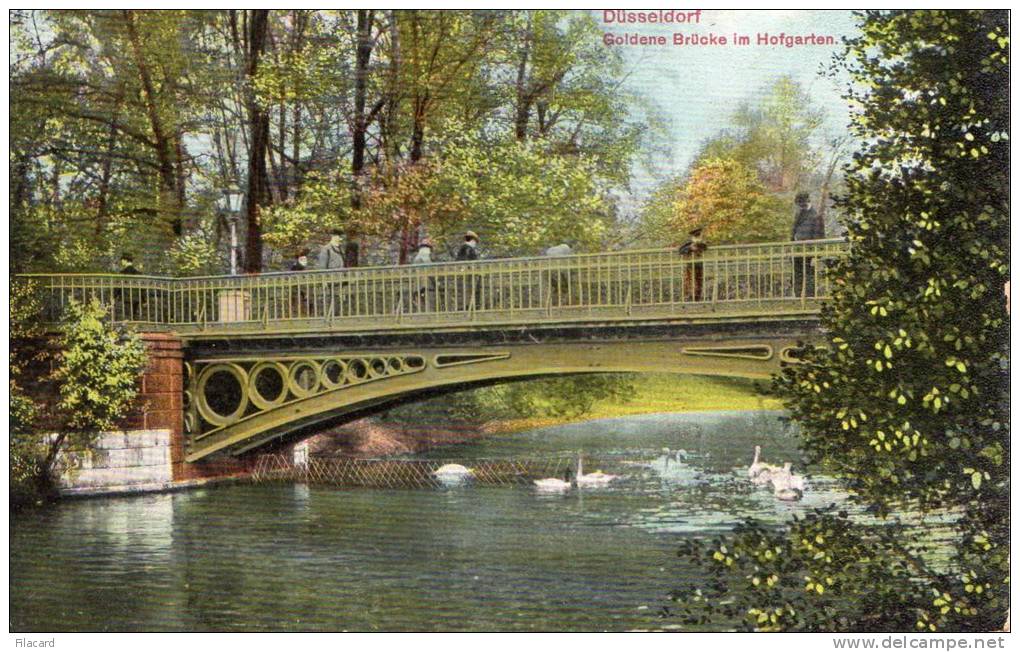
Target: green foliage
pixel 740 184
pixel 566 396
pixel 908 403
pixel 725 197
pixel 107 103
pixel 817 574
pixel 194 254
pixel 522 197
pixel 913 380
pixel 25 450
pixel 775 135
pixel 324 205
pixel 97 368
pixel 519 197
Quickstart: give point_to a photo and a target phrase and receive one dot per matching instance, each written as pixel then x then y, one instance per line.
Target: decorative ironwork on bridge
pixel 748 280
pixel 238 396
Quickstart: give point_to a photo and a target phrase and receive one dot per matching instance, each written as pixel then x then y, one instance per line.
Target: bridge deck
pixel 734 281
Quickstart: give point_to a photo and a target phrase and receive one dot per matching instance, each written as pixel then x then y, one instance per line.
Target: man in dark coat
pixel 469 287
pixel 807 225
pixel 694 271
pixel 300 261
pixel 469 250
pixel 300 306
pixel 127 265
pixel 129 306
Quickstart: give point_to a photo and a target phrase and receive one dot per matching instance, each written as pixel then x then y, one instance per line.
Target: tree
pixel 250 40
pixel 908 403
pixel 775 135
pixel 279 103
pixel 26 450
pixel 517 195
pixel 97 370
pixel 725 197
pixel 103 110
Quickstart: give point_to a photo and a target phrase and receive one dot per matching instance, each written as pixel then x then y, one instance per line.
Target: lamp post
pixel 230 205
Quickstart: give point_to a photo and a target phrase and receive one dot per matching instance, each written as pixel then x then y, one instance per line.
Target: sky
pixel 698 87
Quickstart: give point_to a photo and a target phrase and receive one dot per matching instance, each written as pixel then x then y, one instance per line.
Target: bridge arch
pixel 351 382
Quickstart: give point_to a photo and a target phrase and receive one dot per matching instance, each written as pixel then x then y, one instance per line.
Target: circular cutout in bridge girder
pixel 222 393
pixel 377 367
pixel 333 373
pixel 267 385
pixel 304 378
pixel 357 370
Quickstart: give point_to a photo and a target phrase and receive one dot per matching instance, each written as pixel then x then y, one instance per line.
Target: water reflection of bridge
pixel 277 354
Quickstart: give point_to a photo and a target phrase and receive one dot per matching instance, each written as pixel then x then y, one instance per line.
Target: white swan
pixel 789 494
pixel 678 455
pixel 794 480
pixel 553 484
pixel 596 479
pixel 453 474
pixel 760 472
pixel 786 485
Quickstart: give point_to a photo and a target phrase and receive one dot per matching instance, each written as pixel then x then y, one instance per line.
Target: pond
pixel 299 558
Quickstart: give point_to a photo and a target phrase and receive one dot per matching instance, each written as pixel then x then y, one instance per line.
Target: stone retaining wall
pixel 128 461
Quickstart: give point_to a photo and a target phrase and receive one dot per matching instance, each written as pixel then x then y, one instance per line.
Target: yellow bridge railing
pixel 751 280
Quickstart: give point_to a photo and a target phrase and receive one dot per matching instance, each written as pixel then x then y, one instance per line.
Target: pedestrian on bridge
pixel 559 279
pixel 425 286
pixel 468 250
pixel 694 270
pixel 807 225
pixel 299 303
pixel 469 286
pixel 127 264
pixel 131 308
pixel 300 261
pixel 331 257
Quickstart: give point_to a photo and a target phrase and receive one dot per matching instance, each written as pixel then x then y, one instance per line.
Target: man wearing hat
pixel 130 309
pixel 426 286
pixel 468 250
pixel 560 281
pixel 331 256
pixel 470 287
pixel 424 255
pixel 299 304
pixel 694 271
pixel 127 264
pixel 807 225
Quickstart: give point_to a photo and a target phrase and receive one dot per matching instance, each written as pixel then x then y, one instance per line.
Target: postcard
pixel 504 320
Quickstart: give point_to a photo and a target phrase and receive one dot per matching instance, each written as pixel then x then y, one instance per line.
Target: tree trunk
pixel 300 21
pixel 522 111
pixel 105 175
pixel 363 55
pixel 258 127
pixel 163 145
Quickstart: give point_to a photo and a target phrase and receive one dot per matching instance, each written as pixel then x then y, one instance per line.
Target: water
pixel 278 557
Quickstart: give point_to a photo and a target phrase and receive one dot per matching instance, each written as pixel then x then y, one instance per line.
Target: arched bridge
pixel 272 355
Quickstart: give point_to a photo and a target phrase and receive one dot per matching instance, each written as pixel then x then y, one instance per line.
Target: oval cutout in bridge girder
pixel 753 352
pixel 451 359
